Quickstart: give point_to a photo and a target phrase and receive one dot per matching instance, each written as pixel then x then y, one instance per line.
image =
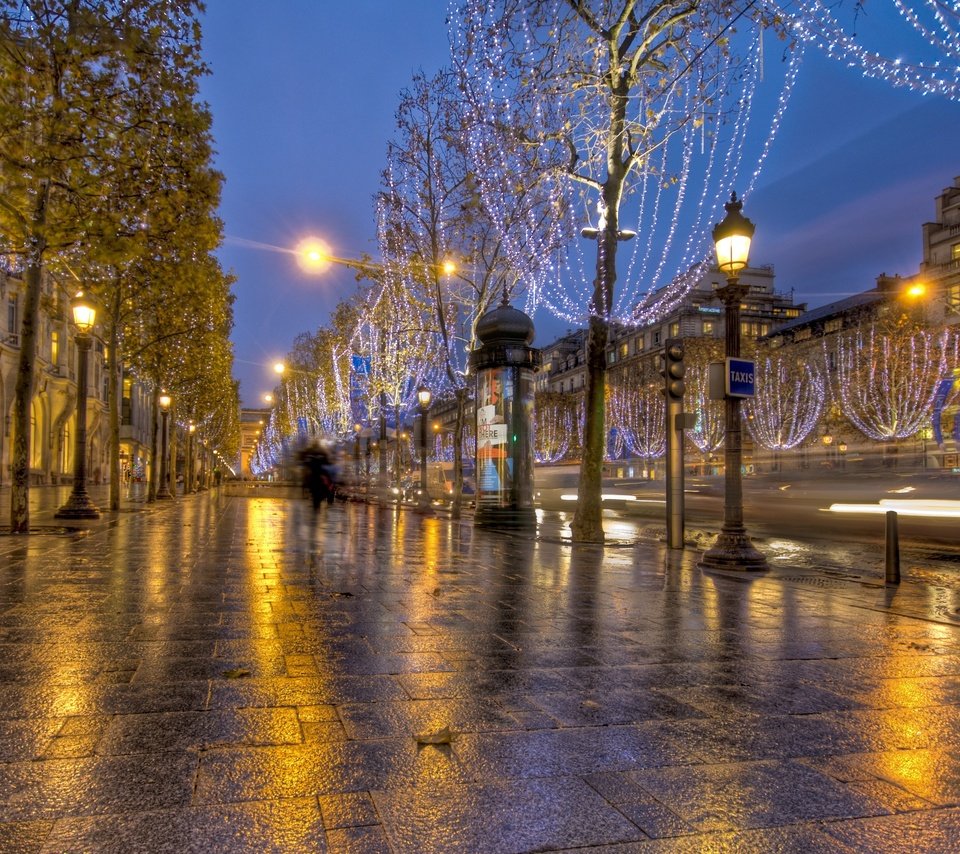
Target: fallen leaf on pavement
pixel 236 673
pixel 441 736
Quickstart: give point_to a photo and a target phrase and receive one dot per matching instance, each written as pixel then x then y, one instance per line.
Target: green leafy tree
pixel 71 74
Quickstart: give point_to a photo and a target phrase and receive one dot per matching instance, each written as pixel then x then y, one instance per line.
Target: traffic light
pixel 673 368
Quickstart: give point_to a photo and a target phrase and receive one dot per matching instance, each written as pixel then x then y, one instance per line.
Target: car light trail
pixel 934 509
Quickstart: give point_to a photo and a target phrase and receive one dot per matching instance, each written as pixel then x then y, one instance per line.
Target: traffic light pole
pixel 673 372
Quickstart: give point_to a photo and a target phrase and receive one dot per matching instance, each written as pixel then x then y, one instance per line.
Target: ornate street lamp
pixel 163 492
pixel 423 398
pixel 79 505
pixel 733 549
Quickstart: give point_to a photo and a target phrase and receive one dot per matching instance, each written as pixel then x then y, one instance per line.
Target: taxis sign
pixel 739 377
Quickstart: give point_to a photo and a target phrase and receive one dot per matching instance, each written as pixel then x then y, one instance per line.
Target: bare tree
pixel 597 92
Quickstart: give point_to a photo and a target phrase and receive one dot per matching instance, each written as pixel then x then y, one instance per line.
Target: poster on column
pixel 493 474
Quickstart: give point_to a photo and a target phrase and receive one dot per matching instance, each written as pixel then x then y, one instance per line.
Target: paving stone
pixel 56 788
pixel 353 809
pixel 928 831
pixel 155 733
pixel 321 768
pixel 359 840
pixel 267 826
pixel 753 794
pixel 527 815
pixel 24 837
pixel 216 673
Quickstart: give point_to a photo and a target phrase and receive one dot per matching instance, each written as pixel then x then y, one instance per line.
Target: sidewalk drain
pixel 815 581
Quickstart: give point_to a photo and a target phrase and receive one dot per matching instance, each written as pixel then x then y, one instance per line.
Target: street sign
pixel 739 377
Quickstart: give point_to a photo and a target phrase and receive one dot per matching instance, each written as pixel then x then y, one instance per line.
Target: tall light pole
pixel 733 549
pixel 163 492
pixel 79 505
pixel 423 398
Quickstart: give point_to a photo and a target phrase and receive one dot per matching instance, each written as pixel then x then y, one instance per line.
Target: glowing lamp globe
pixel 84 313
pixel 732 238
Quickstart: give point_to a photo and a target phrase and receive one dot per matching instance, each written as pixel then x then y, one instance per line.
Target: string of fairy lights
pixel 714 145
pixel 703 130
pixel 886 381
pixel 793 402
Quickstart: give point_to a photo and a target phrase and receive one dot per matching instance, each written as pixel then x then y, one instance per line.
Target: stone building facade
pixel 53 411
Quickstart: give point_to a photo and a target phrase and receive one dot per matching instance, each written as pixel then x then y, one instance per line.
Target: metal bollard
pixel 893 549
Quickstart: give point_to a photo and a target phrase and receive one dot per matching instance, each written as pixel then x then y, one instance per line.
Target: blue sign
pixel 739 377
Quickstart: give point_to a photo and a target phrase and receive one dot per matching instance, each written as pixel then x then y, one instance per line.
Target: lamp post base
pixel 733 552
pixel 78 506
pixel 164 495
pixel 504 517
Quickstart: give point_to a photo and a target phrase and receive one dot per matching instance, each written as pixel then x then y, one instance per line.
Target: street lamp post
pixel 356 453
pixel 733 549
pixel 79 505
pixel 423 398
pixel 163 492
pixel 366 478
pixel 189 478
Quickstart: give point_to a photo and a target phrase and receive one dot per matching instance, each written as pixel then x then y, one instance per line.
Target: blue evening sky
pixel 303 98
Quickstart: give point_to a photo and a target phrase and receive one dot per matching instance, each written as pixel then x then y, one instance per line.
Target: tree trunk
pixel 154 468
pixel 587 524
pixel 382 476
pixel 456 506
pixel 114 396
pixel 23 389
pixel 399 458
pixel 172 444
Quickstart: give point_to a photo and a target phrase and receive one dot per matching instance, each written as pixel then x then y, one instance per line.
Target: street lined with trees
pixel 107 185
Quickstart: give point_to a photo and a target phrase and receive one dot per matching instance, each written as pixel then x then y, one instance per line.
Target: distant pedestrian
pixel 319 475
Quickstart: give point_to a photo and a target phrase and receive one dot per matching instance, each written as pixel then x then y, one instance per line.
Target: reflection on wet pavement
pixel 237 674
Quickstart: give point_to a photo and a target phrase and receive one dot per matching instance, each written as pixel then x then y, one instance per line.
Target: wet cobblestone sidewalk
pixel 235 674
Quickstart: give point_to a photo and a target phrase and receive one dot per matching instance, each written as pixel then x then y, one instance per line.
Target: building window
pixel 13 320
pixel 835 324
pixel 638 344
pixel 611 357
pixel 656 338
pixel 802 334
pixel 953 297
pixel 675 329
pixel 623 350
pixel 54 348
pixel 753 328
pixel 708 327
pixel 955 252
